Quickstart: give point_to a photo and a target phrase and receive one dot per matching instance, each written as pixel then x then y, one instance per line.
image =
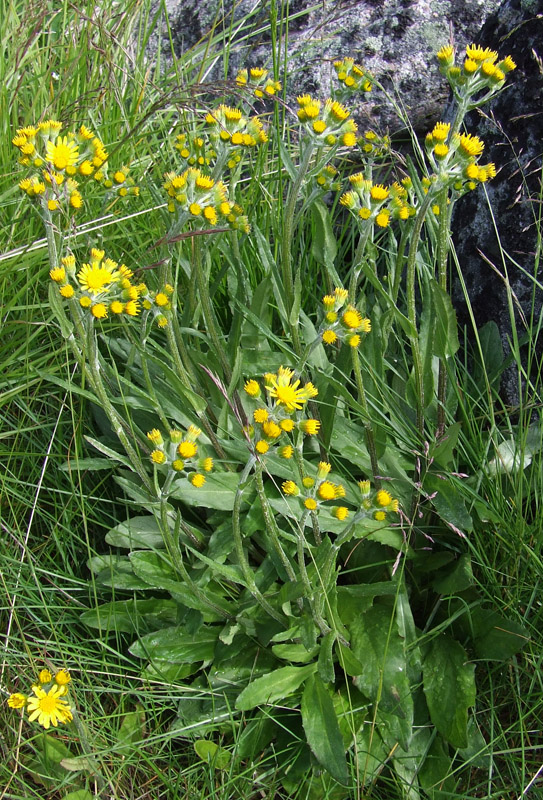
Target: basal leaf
pixel 449 686
pixel 322 729
pixel 177 645
pixel 378 646
pixel 274 686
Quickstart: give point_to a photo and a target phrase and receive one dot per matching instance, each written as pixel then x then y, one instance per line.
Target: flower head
pixel 286 393
pixel 48 708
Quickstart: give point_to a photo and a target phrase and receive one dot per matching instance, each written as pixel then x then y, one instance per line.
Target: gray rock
pixel 512 129
pixel 395 39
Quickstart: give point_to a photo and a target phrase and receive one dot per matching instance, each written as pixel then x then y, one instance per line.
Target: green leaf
pixel 495 637
pixel 177 645
pixel 159 574
pixel 132 616
pixel 323 245
pixel 137 532
pixel 322 729
pixel 442 451
pixel 79 794
pixel 448 502
pixel 218 491
pixel 274 686
pixel 132 728
pixel 294 652
pixel 294 315
pixel 59 309
pixel 107 451
pixel 454 578
pixel 436 771
pixel 326 658
pixel 371 753
pixel 212 754
pixel 446 326
pixel 449 686
pixel 378 646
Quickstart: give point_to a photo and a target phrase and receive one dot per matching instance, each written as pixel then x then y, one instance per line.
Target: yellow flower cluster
pixel 47 704
pixel 480 72
pixel 327 179
pixel 454 158
pixel 102 286
pixel 64 161
pixel 375 203
pixel 329 124
pixel 204 200
pixel 229 126
pixel 180 454
pixel 345 326
pixel 375 145
pixel 353 77
pixel 315 491
pixel 194 151
pixel 377 504
pixel 259 80
pixel 284 398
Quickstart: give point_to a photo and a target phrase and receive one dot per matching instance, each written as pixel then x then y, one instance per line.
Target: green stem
pixel 412 312
pixel 270 523
pixel 443 256
pixel 174 551
pixel 207 308
pixel 286 245
pixel 116 421
pixel 357 261
pixel 238 544
pixel 368 428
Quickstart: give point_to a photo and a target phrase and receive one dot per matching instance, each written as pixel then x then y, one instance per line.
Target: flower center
pixel 286 395
pixel 48 704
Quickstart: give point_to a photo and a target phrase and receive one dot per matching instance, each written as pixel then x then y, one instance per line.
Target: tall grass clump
pixel 260 504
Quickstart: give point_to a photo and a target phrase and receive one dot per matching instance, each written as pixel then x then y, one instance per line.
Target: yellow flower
pixel 187 449
pixel 341 513
pixel 206 464
pixel 197 480
pixel 329 337
pixel 67 291
pixel 252 388
pixel 158 457
pixel 286 393
pixel 116 307
pixel 286 451
pixel 310 426
pixel 260 415
pixel 178 465
pixel 62 153
pixel 380 516
pixel 352 318
pixel 326 490
pixel 262 447
pixel 155 436
pixel 45 676
pixel 287 425
pixel 290 488
pixel 271 429
pixel 95 277
pixel 379 192
pixel 58 274
pixel 99 311
pixel 17 700
pixel 478 53
pixel 310 503
pixel 48 708
pixel 63 677
pixel 161 299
